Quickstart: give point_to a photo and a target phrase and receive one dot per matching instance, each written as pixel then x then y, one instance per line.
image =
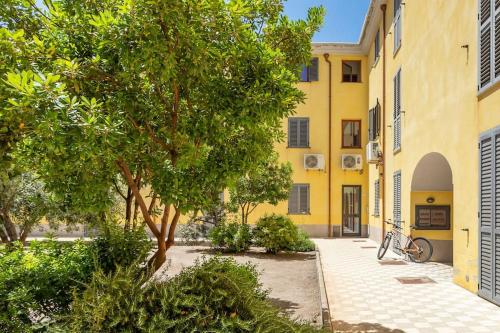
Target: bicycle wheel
pixel 420 250
pixel 384 246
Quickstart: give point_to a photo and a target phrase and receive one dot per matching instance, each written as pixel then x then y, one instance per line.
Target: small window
pixel 376 206
pixel 374 123
pixel 298 202
pixel 298 132
pixel 309 73
pixel 432 217
pixel 397 6
pixel 377 46
pixel 351 133
pixel 351 71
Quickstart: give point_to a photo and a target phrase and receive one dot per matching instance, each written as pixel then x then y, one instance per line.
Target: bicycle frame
pixel 409 240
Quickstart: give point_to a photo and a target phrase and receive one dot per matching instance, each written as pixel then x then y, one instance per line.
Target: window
pixel 377 46
pixel 397 112
pixel 298 202
pixel 432 217
pixel 310 73
pixel 397 25
pixel 298 132
pixel 351 71
pixel 374 122
pixel 376 206
pixel 489 43
pixel 351 133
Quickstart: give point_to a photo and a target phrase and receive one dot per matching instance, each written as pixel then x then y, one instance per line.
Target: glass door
pixel 351 210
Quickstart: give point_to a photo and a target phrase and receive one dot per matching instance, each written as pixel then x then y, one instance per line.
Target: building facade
pixel 422 86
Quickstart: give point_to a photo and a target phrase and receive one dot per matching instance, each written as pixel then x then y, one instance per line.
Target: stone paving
pixel 364 296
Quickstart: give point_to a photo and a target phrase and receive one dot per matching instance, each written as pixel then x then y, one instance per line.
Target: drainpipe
pixel 326 56
pixel 383 127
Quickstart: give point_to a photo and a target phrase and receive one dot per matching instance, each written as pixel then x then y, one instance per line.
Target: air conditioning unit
pixel 352 162
pixel 314 162
pixel 372 152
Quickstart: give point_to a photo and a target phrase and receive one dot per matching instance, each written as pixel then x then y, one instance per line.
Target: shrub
pixel 37 283
pixel 275 233
pixel 116 247
pixel 303 244
pixel 231 236
pixel 214 295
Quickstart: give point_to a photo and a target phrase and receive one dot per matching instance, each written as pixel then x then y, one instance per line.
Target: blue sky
pixel 343 21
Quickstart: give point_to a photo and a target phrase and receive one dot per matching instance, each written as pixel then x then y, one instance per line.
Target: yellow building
pixel 422 85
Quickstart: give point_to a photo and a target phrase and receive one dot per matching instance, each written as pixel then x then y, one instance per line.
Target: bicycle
pixel 418 249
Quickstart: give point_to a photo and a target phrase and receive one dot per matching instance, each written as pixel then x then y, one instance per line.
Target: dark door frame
pixel 349 234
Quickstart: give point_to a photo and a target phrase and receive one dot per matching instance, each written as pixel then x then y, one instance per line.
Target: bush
pixel 37 283
pixel 115 247
pixel 231 236
pixel 303 244
pixel 214 295
pixel 275 233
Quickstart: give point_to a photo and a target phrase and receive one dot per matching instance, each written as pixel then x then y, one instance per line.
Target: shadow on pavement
pixel 340 326
pixel 283 256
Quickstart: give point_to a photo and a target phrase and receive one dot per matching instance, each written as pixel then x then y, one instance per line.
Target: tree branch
pixel 173 225
pixel 147 217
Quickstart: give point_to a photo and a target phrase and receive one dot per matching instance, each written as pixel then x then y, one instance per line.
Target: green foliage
pixel 214 295
pixel 231 236
pixel 275 233
pixel 37 283
pixel 303 244
pixel 118 248
pixel 111 85
pixel 268 182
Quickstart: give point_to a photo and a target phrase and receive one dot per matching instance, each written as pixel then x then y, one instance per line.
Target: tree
pixel 270 182
pixel 183 95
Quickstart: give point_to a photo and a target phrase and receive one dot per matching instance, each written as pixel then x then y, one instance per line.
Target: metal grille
pixel 376 205
pixel 397 211
pixel 397 111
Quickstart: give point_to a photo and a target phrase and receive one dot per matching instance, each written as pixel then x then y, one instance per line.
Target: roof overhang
pixel 368 31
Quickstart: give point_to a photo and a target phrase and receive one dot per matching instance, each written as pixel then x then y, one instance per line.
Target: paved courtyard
pixel 364 296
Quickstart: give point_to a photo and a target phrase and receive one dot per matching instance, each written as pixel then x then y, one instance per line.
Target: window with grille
pixel 310 72
pixel 376 205
pixel 397 112
pixel 298 201
pixel 351 133
pixel 298 132
pixel 489 43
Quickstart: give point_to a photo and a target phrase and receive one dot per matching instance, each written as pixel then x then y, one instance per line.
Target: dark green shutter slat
pixel 485 56
pixel 314 70
pixel 396 216
pixel 293 200
pixel 293 132
pixel 497 44
pixel 304 132
pixel 397 111
pixel 376 210
pixel 304 198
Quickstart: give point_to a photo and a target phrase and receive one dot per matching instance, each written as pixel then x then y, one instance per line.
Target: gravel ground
pixel 291 277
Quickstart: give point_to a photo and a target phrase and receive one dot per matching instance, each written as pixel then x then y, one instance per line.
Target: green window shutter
pixel 489 43
pixel 293 132
pixel 293 200
pixel 314 70
pixel 304 132
pixel 376 205
pixel 304 199
pixel 497 41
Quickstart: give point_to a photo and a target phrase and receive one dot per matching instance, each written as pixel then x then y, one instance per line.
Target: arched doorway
pixel 432 204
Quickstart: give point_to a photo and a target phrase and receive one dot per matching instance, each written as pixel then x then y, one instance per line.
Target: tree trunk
pixel 24 234
pixel 128 208
pixel 10 227
pixel 3 236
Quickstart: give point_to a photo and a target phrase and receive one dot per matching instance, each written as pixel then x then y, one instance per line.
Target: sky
pixel 343 21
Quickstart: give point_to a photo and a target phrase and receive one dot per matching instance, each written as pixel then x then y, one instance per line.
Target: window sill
pixel 300 214
pixel 396 151
pixel 432 228
pixel 351 147
pixel 396 51
pixel 489 89
pixel 304 147
pixel 358 82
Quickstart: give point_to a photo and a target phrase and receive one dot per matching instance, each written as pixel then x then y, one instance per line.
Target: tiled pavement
pixel 365 296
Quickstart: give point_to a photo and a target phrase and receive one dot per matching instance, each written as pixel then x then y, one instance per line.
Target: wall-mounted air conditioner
pixel 372 152
pixel 314 162
pixel 352 162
